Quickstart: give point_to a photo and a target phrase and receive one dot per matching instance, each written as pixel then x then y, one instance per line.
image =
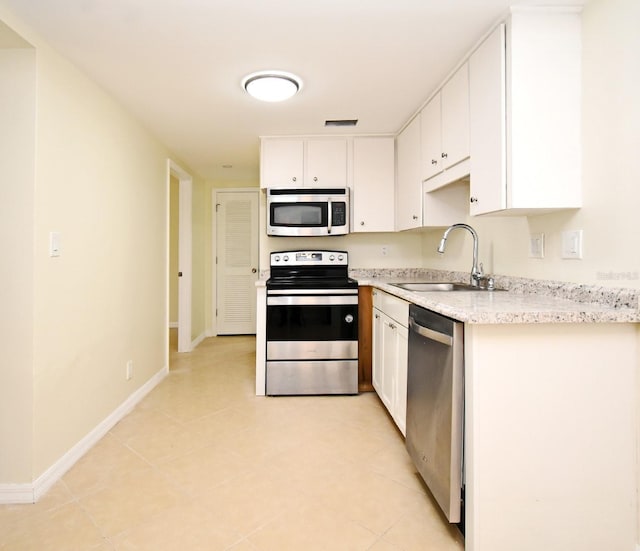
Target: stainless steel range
pixel 312 324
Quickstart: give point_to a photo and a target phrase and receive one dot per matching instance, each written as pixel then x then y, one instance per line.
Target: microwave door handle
pixel 329 212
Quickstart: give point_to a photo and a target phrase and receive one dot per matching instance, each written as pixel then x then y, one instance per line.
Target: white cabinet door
pixel 525 87
pixel 445 128
pixel 400 390
pixel 455 118
pixel 376 352
pixel 488 187
pixel 390 347
pixel 389 353
pixel 431 123
pixel 281 163
pixel 409 180
pixel 373 192
pixel 326 163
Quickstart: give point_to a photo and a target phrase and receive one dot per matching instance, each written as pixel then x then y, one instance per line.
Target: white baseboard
pixel 30 493
pixel 198 340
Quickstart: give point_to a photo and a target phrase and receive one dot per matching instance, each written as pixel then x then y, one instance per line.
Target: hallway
pixel 204 464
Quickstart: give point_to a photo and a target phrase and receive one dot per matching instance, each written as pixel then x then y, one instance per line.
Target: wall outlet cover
pixel 572 244
pixel 536 245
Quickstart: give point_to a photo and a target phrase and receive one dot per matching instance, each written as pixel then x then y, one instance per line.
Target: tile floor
pixel 204 464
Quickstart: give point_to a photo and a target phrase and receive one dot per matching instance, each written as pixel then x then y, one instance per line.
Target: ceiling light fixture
pixel 272 85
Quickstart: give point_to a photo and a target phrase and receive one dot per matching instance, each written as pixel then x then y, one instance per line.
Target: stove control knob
pixel 332 258
pixel 276 258
pixel 286 258
pixel 340 257
pixel 348 318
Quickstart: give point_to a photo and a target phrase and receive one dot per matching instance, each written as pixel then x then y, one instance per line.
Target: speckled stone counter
pixel 520 301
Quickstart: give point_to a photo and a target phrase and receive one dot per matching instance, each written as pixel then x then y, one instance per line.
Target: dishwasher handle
pixel 431 334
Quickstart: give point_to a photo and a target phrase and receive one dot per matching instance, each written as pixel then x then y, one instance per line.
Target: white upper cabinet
pixel 303 162
pixel 281 163
pixel 409 180
pixel 326 162
pixel 524 84
pixel 445 129
pixel 373 190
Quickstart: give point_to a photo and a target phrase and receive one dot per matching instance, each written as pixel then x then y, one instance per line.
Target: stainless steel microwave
pixel 308 211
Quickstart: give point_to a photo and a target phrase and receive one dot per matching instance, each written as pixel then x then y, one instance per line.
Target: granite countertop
pixel 523 301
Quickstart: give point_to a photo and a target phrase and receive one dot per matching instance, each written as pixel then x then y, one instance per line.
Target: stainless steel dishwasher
pixel 435 405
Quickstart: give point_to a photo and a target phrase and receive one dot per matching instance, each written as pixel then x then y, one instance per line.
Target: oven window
pixel 299 214
pixel 312 323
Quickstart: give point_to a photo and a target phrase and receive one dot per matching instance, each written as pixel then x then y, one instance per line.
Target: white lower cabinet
pixel 390 342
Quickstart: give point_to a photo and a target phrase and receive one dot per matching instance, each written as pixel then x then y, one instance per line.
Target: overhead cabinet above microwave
pixel 301 162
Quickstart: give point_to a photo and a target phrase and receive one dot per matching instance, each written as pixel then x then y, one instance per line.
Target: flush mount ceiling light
pixel 272 85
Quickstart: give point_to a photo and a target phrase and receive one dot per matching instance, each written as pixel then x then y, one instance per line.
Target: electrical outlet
pixel 385 250
pixel 129 370
pixel 536 245
pixel 572 244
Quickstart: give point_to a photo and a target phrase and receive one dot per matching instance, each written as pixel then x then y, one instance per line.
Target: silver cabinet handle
pixel 444 155
pixel 434 162
pixel 415 217
pixel 473 200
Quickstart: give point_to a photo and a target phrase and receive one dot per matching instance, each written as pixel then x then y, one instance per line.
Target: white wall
pixel 611 194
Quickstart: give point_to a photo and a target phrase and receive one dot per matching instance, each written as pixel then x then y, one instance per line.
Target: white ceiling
pixel 177 64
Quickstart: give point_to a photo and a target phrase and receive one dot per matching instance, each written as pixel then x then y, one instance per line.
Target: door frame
pixel 214 246
pixel 184 252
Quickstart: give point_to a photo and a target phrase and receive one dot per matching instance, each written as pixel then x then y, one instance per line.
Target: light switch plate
pixel 536 245
pixel 54 243
pixel 572 244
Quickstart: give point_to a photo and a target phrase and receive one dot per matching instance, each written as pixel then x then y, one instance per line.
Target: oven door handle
pixel 333 292
pixel 329 215
pixel 312 300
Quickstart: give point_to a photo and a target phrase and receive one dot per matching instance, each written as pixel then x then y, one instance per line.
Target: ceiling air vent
pixel 342 122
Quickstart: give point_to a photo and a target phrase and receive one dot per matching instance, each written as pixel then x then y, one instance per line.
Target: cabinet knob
pixel 444 155
pixel 392 326
pixel 293 179
pixel 415 217
pixel 315 178
pixel 362 222
pixel 434 162
pixel 473 200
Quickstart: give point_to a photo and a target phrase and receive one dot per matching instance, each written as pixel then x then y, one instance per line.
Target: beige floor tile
pixel 130 500
pixel 184 528
pixel 425 529
pixel 101 466
pixel 312 528
pixel 66 527
pixel 202 471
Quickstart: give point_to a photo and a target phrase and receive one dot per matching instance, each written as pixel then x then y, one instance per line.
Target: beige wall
pixel 17 153
pixel 82 166
pixel 611 194
pixel 101 182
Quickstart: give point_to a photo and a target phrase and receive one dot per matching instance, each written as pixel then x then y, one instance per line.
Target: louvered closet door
pixel 237 261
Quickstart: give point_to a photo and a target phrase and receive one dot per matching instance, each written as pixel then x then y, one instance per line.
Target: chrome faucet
pixel 476 272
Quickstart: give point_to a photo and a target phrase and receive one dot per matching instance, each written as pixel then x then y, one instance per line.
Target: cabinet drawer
pixel 392 306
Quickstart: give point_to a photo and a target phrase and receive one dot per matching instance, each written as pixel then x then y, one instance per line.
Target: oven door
pixel 312 326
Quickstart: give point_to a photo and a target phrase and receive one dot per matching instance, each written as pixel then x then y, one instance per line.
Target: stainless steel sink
pixel 429 286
